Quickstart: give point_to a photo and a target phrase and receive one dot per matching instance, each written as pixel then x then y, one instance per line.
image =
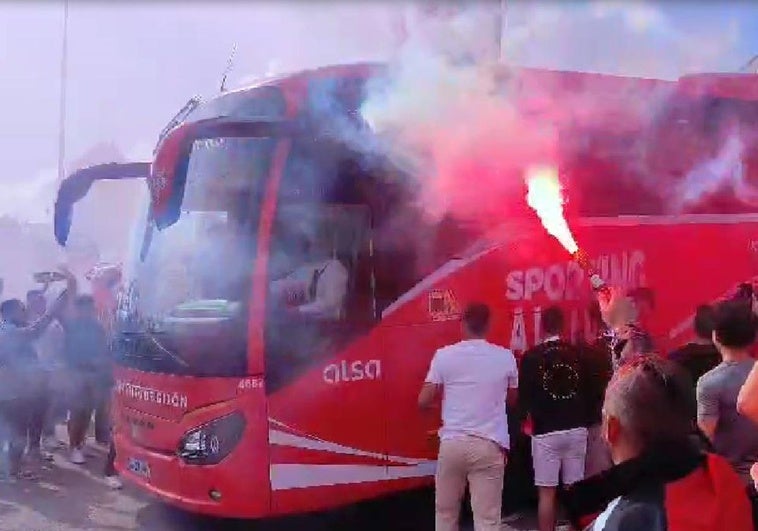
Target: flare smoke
pixel 472 133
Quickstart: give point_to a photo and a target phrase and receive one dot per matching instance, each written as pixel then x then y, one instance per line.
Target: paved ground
pixel 74 498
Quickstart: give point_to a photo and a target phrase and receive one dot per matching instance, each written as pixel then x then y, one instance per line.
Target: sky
pixel 132 65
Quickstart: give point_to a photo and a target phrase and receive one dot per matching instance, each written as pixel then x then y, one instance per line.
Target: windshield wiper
pixel 153 341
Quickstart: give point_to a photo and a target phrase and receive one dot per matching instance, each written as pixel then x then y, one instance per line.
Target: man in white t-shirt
pixel 474 378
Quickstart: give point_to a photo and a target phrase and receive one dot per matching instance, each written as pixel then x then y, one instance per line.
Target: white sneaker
pixel 77 457
pixel 114 482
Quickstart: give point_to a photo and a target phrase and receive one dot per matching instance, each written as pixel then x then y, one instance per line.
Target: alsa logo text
pixel 354 371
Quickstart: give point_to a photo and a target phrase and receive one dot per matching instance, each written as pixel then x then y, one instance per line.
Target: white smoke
pixel 630 38
pixel 299 35
pixel 726 168
pixel 442 103
pixel 140 151
pixel 30 200
pixel 618 37
pixel 101 225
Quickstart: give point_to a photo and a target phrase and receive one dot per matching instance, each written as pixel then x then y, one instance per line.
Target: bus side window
pixel 401 234
pixel 411 247
pixel 319 263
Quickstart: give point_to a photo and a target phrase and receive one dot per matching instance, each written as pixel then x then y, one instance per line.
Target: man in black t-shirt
pixel 699 356
pixel 597 359
pixel 554 393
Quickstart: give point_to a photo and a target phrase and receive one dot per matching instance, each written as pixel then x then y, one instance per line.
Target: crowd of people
pixel 55 367
pixel 623 436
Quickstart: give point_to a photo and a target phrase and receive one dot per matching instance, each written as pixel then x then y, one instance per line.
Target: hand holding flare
pixel 545 196
pixel 596 281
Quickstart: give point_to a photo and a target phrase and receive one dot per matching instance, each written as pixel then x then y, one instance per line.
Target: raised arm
pixel 71 283
pixel 36 329
pixel 67 306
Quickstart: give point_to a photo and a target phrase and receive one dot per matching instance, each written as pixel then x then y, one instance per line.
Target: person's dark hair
pixel 704 320
pixel 477 318
pixel 653 399
pixel 734 324
pixel 643 294
pixel 553 320
pixel 9 307
pixel 744 291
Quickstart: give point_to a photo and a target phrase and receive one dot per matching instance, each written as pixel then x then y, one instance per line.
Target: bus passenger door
pixel 324 375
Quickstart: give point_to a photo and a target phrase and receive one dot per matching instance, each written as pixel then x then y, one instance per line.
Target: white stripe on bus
pixel 297 476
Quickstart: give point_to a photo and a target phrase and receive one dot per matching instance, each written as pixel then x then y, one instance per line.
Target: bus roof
pixel 731 86
pixel 547 83
pixel 542 90
pixel 339 70
pixel 501 71
pixel 528 77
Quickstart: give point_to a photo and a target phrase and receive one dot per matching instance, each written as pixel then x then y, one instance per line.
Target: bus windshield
pixel 185 307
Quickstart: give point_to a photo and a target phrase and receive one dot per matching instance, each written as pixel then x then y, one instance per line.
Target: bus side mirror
pixel 75 187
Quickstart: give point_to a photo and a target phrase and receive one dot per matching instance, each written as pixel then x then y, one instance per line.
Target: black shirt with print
pixel 552 384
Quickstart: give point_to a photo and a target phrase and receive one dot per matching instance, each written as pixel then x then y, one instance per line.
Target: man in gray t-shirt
pixel 734 436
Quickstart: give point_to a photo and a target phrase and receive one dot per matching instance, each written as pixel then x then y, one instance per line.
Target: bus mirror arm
pixel 76 186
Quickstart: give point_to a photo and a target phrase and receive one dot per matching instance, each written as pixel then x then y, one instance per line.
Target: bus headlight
pixel 210 443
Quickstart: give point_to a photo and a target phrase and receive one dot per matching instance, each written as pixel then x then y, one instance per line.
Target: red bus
pixel 237 396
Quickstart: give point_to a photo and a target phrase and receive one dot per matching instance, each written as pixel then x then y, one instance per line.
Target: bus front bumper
pixel 191 488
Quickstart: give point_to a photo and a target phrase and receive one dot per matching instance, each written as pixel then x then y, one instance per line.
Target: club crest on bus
pixel 443 306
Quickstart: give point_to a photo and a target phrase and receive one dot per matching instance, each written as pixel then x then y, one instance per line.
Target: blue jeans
pixel 14 415
pixel 110 468
pixel 56 414
pixel 57 406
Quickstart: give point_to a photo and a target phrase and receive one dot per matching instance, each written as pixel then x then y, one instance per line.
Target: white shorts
pixel 559 454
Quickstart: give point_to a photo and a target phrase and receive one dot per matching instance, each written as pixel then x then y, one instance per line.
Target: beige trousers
pixel 479 462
